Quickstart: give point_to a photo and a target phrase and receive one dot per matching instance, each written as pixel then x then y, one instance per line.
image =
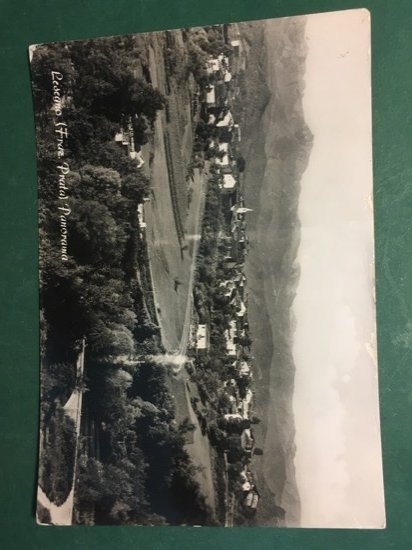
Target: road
pixel 62 515
pixel 194 230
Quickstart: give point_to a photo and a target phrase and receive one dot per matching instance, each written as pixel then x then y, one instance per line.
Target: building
pixel 226 121
pixel 229 288
pixel 246 404
pixel 237 133
pixel 229 182
pixel 252 499
pixel 223 147
pixel 246 486
pixel 210 95
pixel 241 309
pixel 141 216
pixel 231 416
pixel 202 339
pixel 247 441
pixel 224 161
pixel 230 335
pixel 213 65
pixel 244 369
pixel 125 138
pixel 239 211
pixel 137 155
pixel 236 46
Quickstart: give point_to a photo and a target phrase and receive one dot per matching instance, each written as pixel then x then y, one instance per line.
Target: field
pixel 173 231
pixel 170 219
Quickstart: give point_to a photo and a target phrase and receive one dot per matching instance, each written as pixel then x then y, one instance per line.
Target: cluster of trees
pixel 203 42
pixel 58 456
pixel 93 293
pixel 215 307
pixel 141 472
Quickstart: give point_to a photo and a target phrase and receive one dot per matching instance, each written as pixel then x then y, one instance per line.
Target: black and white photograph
pixel 206 267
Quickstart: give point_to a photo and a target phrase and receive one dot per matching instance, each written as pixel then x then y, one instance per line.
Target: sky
pixel 338 458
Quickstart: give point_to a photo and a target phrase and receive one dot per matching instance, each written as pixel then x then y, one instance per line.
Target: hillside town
pixel 236 417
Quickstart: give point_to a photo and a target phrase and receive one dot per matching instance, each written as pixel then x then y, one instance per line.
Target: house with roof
pixel 247 441
pixel 211 95
pixel 137 155
pixel 233 416
pixel 227 77
pixel 224 161
pixel 230 336
pixel 212 65
pixel 141 216
pixel 247 480
pixel 240 308
pixel 229 182
pixel 212 144
pixel 236 46
pixel 227 121
pixel 237 133
pixel 246 404
pixel 229 288
pixel 243 368
pixel 246 486
pixel 211 119
pixel 202 339
pixel 223 147
pixel 252 500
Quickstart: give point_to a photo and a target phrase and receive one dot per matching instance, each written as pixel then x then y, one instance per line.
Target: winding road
pixel 62 515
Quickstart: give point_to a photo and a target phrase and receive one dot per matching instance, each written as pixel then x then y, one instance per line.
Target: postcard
pixel 208 348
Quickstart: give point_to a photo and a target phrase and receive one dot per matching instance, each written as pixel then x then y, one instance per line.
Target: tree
pixel 186 426
pixel 241 163
pixel 95 183
pixel 48 59
pixel 94 235
pixel 120 379
pixel 144 99
pixel 140 129
pixel 135 186
pixel 111 340
pixel 245 341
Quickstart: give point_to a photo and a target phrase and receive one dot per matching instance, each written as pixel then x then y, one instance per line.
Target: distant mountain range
pixel 276 146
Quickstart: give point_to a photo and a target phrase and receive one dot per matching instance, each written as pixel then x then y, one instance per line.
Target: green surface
pixel 23 23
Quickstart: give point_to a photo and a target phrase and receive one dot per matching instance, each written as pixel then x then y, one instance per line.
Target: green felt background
pixel 24 22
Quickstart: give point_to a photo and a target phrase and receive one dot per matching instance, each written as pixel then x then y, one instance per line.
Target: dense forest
pixel 142 473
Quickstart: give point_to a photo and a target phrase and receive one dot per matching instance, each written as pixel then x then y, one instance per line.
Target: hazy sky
pixel 338 460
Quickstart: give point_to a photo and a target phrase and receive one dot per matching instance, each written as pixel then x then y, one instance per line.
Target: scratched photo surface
pixel 207 316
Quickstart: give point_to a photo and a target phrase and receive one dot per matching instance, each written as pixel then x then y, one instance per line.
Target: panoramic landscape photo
pixel 206 357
